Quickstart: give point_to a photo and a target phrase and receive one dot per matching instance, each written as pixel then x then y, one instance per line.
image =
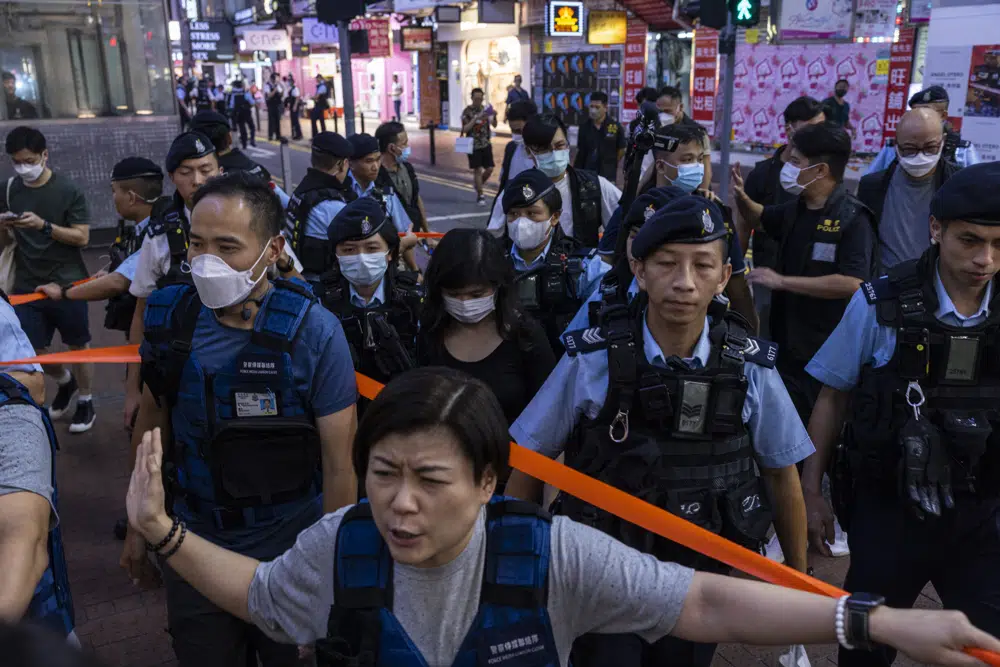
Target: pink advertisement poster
pixel 769 77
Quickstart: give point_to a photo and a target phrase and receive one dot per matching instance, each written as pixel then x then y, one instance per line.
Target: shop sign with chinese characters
pixel 900 62
pixel 565 19
pixel 634 71
pixel 704 76
pixel 379 36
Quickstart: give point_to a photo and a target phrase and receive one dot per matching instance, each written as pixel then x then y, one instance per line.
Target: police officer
pixel 826 246
pixel 241 104
pixel 378 306
pixel 216 127
pixel 319 197
pixel 35 579
pixel 294 103
pixel 916 354
pixel 254 381
pixel 204 97
pixel 602 140
pixel 960 151
pixel 554 273
pixel 681 410
pixel 589 200
pixel 274 94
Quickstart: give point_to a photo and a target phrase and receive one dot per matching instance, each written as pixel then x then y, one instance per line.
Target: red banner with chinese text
pixel 704 77
pixel 634 71
pixel 900 63
pixel 379 37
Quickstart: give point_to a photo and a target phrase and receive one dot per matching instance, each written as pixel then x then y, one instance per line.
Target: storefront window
pixel 71 60
pixel 491 64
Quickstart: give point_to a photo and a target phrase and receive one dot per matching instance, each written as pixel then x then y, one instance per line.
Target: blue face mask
pixel 689 176
pixel 553 164
pixel 405 155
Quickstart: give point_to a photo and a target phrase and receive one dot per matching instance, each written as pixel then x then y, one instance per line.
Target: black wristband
pixel 166 540
pixel 63 289
pixel 180 541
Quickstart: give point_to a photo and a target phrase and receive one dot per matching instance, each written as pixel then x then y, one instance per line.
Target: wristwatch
pixel 285 267
pixel 47 228
pixel 858 610
pixel 63 289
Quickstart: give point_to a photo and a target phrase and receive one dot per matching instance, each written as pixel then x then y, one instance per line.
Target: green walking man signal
pixel 746 13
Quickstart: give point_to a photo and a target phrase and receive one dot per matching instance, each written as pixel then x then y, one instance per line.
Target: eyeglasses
pixel 929 150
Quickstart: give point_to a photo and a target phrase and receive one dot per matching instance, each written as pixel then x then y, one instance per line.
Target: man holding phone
pixel 48 216
pixel 476 122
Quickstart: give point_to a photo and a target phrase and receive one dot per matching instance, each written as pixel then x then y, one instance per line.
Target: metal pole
pixel 346 79
pixel 729 33
pixel 286 164
pixel 361 115
pixel 336 121
pixel 433 151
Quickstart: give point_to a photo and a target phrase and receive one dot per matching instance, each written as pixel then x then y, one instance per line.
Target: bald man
pixel 900 195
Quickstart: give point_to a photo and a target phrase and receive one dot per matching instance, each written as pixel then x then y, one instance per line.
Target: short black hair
pixel 147 187
pixel 387 133
pixel 647 94
pixel 840 81
pixel 324 161
pixel 598 96
pixel 522 110
pixel 436 397
pixel 827 143
pixel 684 133
pixel 671 92
pixel 539 130
pixel 477 90
pixel 802 109
pixel 23 137
pixel 266 213
pixel 8 76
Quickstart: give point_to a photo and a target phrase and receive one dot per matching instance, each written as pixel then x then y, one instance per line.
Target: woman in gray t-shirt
pixel 430 449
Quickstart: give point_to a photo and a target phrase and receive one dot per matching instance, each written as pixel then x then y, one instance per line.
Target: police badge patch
pixel 366 226
pixel 198 146
pixel 648 213
pixel 706 222
pixel 527 192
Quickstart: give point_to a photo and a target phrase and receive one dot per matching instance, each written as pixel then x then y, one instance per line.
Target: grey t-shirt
pixel 25 453
pixel 596 584
pixel 904 230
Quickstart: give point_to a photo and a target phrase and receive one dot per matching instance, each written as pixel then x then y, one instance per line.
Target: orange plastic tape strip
pixel 593 491
pixel 424 235
pixel 18 299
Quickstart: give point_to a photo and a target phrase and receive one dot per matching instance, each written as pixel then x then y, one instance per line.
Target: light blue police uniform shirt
pixel 14 343
pixel 582 318
pixel 860 340
pixel 399 217
pixel 578 387
pixel 588 279
pixel 320 217
pixel 377 299
pixel 282 195
pixel 246 95
pixel 127 267
pixel 964 157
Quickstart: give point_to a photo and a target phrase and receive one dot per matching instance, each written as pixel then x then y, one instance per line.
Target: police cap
pixel 360 219
pixel 645 205
pixel 970 195
pixel 687 219
pixel 332 144
pixel 188 146
pixel 207 120
pixel 929 96
pixel 525 189
pixel 136 167
pixel 362 145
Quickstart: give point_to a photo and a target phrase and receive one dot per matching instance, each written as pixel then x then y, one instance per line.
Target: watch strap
pixel 63 289
pixel 857 625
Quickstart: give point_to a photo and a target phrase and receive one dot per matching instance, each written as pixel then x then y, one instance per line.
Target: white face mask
pixel 920 164
pixel 30 173
pixel 528 234
pixel 666 119
pixel 517 138
pixel 469 311
pixel 220 285
pixel 364 269
pixel 790 178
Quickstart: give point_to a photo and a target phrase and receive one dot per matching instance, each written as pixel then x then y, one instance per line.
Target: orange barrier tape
pixel 18 299
pixel 593 491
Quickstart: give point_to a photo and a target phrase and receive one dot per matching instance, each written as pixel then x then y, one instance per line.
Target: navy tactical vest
pixel 586 188
pixel 168 217
pixel 317 186
pixel 121 307
pixel 673 437
pixel 245 445
pixel 52 604
pixel 511 629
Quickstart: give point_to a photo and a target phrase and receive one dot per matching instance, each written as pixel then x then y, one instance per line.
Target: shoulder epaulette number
pixel 761 352
pixel 878 289
pixel 581 341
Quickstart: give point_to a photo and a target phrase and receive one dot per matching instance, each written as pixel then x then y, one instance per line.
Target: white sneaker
pixel 839 548
pixel 481 201
pixel 773 550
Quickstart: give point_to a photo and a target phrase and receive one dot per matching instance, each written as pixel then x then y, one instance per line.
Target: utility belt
pixel 235 518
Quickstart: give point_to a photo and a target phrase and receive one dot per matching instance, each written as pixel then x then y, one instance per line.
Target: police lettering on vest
pixel 52 604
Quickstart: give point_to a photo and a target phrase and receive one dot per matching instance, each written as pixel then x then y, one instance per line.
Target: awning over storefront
pixel 658 14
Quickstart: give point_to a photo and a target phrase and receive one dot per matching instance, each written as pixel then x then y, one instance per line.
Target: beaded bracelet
pixel 166 540
pixel 840 623
pixel 180 541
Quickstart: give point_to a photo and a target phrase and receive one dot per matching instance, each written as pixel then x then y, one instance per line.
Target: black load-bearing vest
pixel 957 369
pixel 317 186
pixel 121 307
pixel 673 437
pixel 168 217
pixel 586 188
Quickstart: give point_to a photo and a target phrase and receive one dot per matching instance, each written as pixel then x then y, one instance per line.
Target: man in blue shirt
pixel 253 381
pixel 682 410
pixel 914 360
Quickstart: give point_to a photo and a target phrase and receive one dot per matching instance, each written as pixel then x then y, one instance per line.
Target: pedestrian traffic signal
pixel 746 13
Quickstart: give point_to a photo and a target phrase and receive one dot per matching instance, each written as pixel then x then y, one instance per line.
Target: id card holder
pixel 527 290
pixel 692 411
pixel 914 349
pixel 961 360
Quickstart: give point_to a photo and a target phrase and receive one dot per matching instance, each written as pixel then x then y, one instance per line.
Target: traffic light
pixel 334 11
pixel 746 13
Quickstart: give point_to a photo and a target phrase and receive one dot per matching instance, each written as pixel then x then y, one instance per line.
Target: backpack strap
pixel 516 571
pixel 170 320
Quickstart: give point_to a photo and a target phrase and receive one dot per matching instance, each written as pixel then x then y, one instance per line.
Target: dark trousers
pixel 894 554
pixel 398 105
pixel 296 127
pixel 243 120
pixel 317 114
pixel 274 121
pixel 205 636
pixel 802 387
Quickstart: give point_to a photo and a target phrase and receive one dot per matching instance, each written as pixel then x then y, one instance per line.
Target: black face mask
pixel 841 93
